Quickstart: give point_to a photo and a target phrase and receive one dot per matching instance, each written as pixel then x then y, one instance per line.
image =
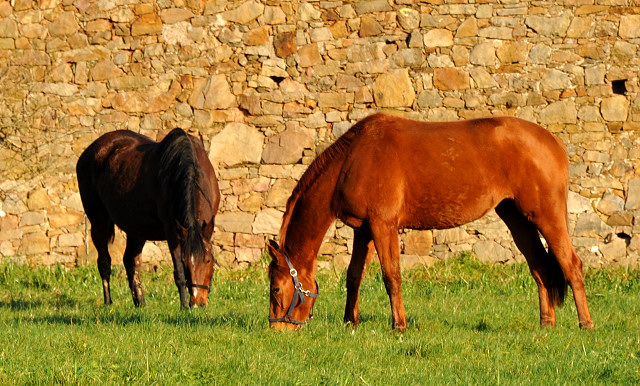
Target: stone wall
pixel 268 84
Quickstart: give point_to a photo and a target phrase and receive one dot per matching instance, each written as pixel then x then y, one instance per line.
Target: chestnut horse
pixel 388 173
pixel 152 191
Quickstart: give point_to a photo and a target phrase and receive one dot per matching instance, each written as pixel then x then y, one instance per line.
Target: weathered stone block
pixel 549 26
pixel 65 24
pixel 491 252
pixel 362 7
pixel 248 255
pixel 513 52
pixel 147 24
pixel 245 13
pixel 409 19
pixel 268 221
pixel 279 192
pixel 105 70
pixel 591 225
pixel 236 144
pixel 555 80
pixel 483 54
pixel 559 112
pixel 70 240
pixel 482 78
pixel 417 242
pixel 394 89
pixel 540 54
pixel 610 203
pixel 175 15
pixel 212 93
pixel 257 37
pixel 633 195
pixel 502 33
pixel 287 147
pixel 309 55
pixel 274 15
pixel 369 27
pixel 450 79
pixel 450 236
pixel 615 108
pixel 38 199
pixel 236 222
pixel 581 27
pixel 8 29
pixel 438 38
pixel 285 44
pixel 468 28
pixel 629 26
pixel 308 12
pixel 34 243
pixel 577 203
pixel 614 250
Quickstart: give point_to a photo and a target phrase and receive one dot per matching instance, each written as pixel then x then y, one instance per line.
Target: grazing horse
pixel 388 173
pixel 152 191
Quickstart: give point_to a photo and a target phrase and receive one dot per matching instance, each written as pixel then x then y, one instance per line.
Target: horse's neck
pixel 303 243
pixel 311 217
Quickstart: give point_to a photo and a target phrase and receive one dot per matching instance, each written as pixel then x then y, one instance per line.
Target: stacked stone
pixel 269 84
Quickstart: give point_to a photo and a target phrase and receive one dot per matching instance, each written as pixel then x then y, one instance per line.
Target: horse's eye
pixel 275 290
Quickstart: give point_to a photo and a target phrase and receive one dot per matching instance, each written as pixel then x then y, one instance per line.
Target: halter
pixel 299 293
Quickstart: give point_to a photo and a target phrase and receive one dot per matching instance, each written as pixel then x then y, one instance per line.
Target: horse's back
pixel 106 145
pixel 449 173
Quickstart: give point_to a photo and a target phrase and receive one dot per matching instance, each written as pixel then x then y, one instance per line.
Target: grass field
pixel 469 323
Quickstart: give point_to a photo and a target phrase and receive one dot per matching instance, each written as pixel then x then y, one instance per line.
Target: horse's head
pixel 197 259
pixel 292 296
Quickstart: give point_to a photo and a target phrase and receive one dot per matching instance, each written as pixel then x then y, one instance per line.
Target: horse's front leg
pixel 179 277
pixel 362 254
pixel 387 244
pixel 131 261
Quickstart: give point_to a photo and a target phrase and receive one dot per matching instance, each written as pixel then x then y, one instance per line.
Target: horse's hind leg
pixel 131 261
pixel 387 244
pixel 362 254
pixel 553 227
pixel 102 228
pixel 544 269
pixel 102 234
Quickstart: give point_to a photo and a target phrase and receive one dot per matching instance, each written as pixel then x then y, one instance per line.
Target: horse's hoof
pixel 545 323
pixel 587 325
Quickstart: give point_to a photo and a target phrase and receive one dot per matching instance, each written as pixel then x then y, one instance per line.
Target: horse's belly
pixel 137 220
pixel 450 211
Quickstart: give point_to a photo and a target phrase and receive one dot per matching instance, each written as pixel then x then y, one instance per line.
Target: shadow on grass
pixel 20 305
pixel 56 300
pixel 82 320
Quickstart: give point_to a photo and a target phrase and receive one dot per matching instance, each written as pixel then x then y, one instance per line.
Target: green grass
pixel 469 323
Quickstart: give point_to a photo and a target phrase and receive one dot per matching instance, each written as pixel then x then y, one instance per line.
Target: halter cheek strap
pixel 299 293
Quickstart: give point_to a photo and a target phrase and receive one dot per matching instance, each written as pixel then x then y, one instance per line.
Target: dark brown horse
pixel 152 191
pixel 388 173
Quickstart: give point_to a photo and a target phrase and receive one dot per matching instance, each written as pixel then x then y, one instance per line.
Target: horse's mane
pixel 310 176
pixel 178 174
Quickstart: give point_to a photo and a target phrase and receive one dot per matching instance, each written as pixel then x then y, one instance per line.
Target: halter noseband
pixel 299 293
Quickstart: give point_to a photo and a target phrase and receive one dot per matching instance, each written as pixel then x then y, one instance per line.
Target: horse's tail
pixel 94 209
pixel 555 281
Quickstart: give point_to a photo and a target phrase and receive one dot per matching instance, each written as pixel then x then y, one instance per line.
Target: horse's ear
pixel 273 248
pixel 207 228
pixel 182 232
